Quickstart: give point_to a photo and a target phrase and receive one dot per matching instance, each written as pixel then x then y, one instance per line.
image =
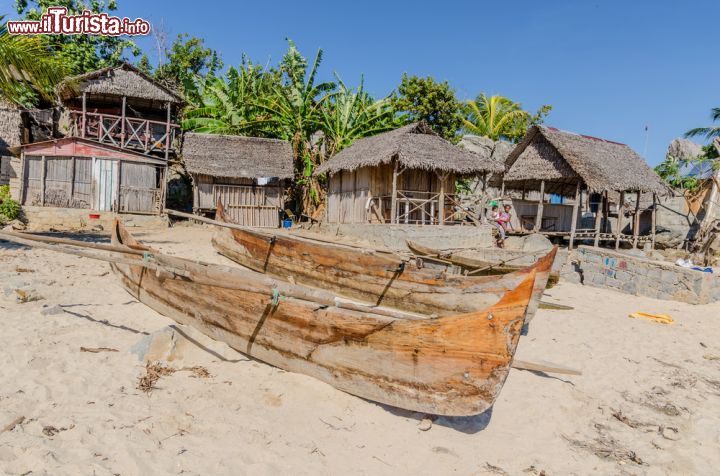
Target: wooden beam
pixel 621 217
pixel 573 223
pixel 43 173
pixel 538 216
pixel 122 122
pixel 167 132
pixel 653 224
pixel 84 114
pixel 441 199
pixel 636 223
pixel 72 179
pixel 598 218
pixel 393 196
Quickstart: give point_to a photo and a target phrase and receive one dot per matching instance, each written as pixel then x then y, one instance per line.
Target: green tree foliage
pixel 669 170
pixel 424 99
pixel 81 53
pixel 187 58
pixel 498 117
pixel 709 132
pixel 9 208
pixel 351 114
pixel 27 68
pixel 232 104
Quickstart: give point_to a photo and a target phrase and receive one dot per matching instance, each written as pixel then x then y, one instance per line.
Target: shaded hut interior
pixel 248 175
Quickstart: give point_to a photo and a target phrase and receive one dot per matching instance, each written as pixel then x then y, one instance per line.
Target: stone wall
pixel 638 276
pixel 394 236
pixel 74 219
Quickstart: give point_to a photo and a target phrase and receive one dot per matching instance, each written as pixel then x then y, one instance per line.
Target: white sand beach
pixel 648 401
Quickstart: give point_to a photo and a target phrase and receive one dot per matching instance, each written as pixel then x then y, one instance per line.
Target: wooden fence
pixel 248 205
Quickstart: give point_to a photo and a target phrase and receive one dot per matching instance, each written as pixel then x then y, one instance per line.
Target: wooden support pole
pixel 538 217
pixel 167 132
pixel 502 187
pixel 83 121
pixel 636 223
pixel 573 222
pixel 598 219
pixel 621 217
pixel 441 200
pixel 653 219
pixel 72 180
pixel 43 174
pixel 122 122
pixel 393 197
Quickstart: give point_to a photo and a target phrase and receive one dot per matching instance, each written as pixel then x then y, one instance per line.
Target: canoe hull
pixel 370 276
pixel 453 365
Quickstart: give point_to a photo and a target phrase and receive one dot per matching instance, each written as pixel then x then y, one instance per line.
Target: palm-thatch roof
pixel 414 146
pixel 124 80
pixel 562 158
pixel 237 156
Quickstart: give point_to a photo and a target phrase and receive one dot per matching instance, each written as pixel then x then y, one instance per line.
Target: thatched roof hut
pixel 11 129
pixel 237 156
pixel 124 80
pixel 563 158
pixel 415 146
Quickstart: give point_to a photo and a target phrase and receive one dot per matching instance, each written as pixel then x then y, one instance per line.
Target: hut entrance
pixel 105 174
pixel 248 205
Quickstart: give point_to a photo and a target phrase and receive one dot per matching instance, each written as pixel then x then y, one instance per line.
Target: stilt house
pixel 586 187
pixel 113 139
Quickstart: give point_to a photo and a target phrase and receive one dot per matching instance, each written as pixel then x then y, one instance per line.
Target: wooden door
pixel 105 181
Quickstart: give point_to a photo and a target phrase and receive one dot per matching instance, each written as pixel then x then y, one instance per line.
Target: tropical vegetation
pixel 500 118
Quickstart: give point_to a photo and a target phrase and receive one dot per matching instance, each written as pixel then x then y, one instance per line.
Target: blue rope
pixel 275 297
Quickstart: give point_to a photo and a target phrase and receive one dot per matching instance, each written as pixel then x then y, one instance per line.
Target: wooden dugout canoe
pixel 468 263
pixel 382 278
pixel 452 365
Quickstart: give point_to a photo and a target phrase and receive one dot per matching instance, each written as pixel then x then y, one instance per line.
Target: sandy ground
pixel 648 401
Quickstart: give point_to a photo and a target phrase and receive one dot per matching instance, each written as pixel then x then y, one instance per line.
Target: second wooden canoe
pixel 370 276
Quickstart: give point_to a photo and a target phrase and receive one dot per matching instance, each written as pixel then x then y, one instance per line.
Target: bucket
pixel 287 223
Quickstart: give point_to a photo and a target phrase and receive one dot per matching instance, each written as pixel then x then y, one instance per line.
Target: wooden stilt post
pixel 621 217
pixel 441 199
pixel 653 220
pixel 502 187
pixel 83 121
pixel 167 132
pixel 393 197
pixel 636 223
pixel 72 182
pixel 122 122
pixel 538 217
pixel 483 205
pixel 573 223
pixel 598 218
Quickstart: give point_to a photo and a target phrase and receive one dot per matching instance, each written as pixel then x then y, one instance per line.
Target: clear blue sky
pixel 609 68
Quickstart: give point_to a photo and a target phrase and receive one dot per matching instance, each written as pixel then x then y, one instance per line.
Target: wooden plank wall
pixel 82 187
pixel 58 181
pixel 562 212
pixel 5 170
pixel 139 187
pixel 32 187
pixel 257 206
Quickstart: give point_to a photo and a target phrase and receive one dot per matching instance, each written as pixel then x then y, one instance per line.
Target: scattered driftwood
pixel 155 370
pixel 96 350
pixel 543 366
pixel 10 426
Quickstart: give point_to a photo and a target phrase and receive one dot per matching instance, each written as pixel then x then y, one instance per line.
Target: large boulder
pixel 684 149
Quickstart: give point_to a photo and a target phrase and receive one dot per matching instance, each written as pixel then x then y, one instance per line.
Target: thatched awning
pixel 11 129
pixel 237 156
pixel 414 146
pixel 562 157
pixel 124 80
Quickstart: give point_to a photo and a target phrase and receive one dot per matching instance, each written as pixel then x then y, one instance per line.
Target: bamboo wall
pixel 245 203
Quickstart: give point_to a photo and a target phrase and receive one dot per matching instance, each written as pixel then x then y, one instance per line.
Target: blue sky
pixel 609 68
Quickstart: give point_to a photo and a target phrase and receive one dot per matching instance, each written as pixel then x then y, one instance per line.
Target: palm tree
pixel 231 105
pixel 295 110
pixel 26 63
pixel 349 115
pixel 709 132
pixel 496 117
